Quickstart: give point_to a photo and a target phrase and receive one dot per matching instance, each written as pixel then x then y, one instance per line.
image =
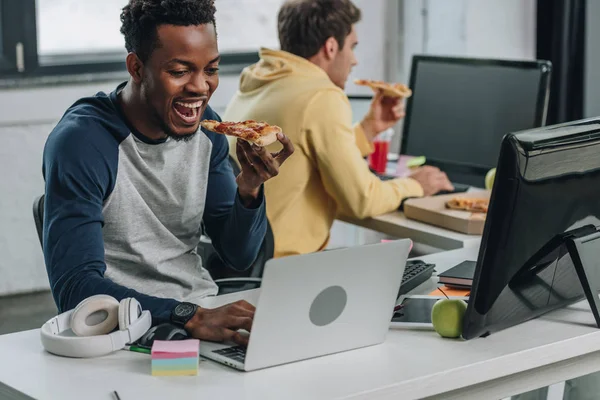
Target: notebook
pixel 460 275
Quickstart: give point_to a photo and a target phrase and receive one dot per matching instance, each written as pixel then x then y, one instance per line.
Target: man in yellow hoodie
pixel 301 89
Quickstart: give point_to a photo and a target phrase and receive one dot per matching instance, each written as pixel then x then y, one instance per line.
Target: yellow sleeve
pixel 345 174
pixel 364 146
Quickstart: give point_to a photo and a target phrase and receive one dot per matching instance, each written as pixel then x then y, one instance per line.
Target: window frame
pixel 18 24
pixel 18 52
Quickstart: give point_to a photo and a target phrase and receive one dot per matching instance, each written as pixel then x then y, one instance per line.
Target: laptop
pixel 317 304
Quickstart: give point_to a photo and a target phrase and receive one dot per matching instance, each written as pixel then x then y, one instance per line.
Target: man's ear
pixel 331 48
pixel 135 67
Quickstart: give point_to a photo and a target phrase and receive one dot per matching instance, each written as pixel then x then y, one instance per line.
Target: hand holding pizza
pixel 387 107
pixel 257 164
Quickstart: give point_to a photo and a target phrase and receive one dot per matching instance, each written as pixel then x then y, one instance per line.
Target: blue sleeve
pixel 80 167
pixel 236 232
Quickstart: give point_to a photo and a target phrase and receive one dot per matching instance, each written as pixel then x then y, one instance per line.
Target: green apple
pixel 489 178
pixel 447 317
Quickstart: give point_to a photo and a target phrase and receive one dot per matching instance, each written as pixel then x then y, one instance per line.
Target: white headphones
pixel 85 330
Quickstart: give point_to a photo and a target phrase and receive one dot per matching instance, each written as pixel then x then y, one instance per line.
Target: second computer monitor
pixel 462 107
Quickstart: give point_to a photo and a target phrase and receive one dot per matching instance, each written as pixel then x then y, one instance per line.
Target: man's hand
pixel 432 180
pixel 384 113
pixel 258 166
pixel 222 323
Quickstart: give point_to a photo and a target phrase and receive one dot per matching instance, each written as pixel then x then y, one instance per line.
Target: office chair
pixel 230 280
pixel 38 217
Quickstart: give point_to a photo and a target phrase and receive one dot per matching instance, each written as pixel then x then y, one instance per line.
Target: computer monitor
pixel 462 107
pixel 547 184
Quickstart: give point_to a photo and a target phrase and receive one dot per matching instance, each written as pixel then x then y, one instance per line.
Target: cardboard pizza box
pixel 432 210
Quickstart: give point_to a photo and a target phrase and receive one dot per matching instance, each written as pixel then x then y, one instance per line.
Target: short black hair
pixel 141 18
pixel 305 25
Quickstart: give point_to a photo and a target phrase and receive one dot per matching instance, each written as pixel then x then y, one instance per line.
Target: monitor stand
pixel 583 247
pixel 585 254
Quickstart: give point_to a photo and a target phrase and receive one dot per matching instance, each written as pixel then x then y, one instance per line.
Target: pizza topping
pixel 259 133
pixel 468 204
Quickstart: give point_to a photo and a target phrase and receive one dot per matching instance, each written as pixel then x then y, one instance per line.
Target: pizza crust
pixel 389 89
pixel 258 133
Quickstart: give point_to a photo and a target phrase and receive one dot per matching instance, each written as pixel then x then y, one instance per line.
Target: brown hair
pixel 305 25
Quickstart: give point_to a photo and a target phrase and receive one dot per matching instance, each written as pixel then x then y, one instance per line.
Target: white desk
pixel 397 225
pixel 409 365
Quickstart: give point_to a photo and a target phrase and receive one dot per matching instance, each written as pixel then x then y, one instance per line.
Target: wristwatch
pixel 182 313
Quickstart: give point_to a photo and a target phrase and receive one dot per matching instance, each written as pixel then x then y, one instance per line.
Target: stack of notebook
pixel 177 357
pixel 460 276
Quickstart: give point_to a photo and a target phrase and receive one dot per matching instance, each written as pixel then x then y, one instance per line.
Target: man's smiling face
pixel 179 78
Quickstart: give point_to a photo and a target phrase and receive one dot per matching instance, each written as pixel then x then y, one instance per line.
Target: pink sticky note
pixel 181 347
pixel 388 241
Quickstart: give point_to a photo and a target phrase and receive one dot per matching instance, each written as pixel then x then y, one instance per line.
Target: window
pixel 92 28
pixel 66 37
pixel 243 25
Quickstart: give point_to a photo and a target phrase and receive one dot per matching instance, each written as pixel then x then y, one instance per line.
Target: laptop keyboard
pixel 237 353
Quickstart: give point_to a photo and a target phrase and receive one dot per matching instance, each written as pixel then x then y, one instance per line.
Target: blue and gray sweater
pixel 123 213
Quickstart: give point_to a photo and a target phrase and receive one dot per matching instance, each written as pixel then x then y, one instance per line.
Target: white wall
pixel 501 29
pixel 372 48
pixel 465 28
pixel 469 28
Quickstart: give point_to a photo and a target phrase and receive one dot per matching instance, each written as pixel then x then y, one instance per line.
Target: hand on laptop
pixel 222 323
pixel 258 166
pixel 432 180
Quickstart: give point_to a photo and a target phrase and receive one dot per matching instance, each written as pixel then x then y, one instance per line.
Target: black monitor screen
pixel 461 109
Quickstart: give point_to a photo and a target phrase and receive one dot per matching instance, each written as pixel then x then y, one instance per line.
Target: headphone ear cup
pixel 129 311
pixel 96 315
pixel 124 314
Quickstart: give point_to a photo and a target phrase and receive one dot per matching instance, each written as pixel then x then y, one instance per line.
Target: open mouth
pixel 188 112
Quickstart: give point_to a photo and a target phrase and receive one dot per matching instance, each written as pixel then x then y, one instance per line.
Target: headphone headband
pixel 56 339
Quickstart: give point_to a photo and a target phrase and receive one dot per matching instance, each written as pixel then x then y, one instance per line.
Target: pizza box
pixel 432 210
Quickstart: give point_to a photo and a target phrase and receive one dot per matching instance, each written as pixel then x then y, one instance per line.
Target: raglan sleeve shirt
pixel 80 169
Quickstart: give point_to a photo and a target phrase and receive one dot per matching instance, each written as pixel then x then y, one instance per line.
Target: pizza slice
pixel 469 204
pixel 258 133
pixel 389 89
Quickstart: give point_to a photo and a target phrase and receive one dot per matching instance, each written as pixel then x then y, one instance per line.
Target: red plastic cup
pixel 378 159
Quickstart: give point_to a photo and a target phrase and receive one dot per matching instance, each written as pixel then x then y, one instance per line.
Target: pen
pixel 138 349
pixel 116 395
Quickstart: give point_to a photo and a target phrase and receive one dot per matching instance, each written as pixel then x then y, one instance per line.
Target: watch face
pixel 184 309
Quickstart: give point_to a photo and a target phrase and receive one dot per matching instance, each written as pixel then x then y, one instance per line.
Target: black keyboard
pixel 458 187
pixel 237 353
pixel 415 273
